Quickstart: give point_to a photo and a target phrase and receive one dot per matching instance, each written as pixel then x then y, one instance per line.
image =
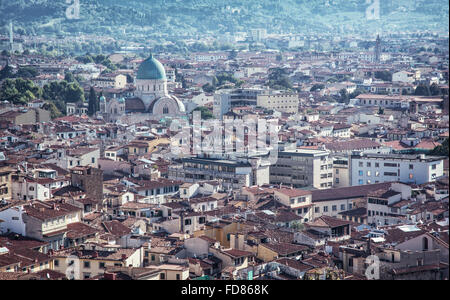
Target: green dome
pixel 102 99
pixel 151 69
pixel 122 100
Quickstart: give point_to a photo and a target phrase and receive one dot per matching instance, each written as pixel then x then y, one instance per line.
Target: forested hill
pixel 193 17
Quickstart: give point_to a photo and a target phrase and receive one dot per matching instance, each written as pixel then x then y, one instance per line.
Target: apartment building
pixel 279 101
pixel 232 173
pixel 303 168
pixel 225 100
pixel 69 158
pixel 374 168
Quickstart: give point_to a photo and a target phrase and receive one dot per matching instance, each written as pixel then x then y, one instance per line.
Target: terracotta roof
pixel 116 228
pixel 347 192
pixel 285 248
pixel 326 221
pixel 292 192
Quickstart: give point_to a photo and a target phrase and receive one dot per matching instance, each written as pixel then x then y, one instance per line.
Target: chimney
pixel 95 254
pixel 110 276
pixel 124 256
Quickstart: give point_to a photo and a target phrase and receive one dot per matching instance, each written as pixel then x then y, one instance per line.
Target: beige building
pixel 116 81
pixel 280 101
pixel 31 116
pixel 303 168
pixel 84 264
pixel 172 272
pixel 341 172
pixel 5 184
pixel 299 201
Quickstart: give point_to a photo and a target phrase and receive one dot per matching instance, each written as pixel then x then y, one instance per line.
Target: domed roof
pixel 151 69
pixel 122 100
pixel 102 98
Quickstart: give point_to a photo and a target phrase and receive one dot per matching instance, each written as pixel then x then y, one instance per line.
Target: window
pixel 93 160
pixel 361 173
pixel 334 208
pixel 360 182
pixel 424 244
pixel 87 264
pixel 56 262
pixel 342 206
pixel 317 209
pixel 411 167
pixel 101 265
pixel 390 174
pixel 162 276
pixel 368 164
pixel 361 164
pixel 337 171
pixel 369 173
pixel 433 167
pixel 325 209
pixel 349 206
pixel 178 276
pixel 305 210
pixel 153 258
pixel 377 165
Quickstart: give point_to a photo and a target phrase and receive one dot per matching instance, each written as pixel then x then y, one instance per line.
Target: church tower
pixel 378 49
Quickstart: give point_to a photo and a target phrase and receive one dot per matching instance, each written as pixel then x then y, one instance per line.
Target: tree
pixel 26 72
pixel 6 72
pixel 19 91
pixel 54 111
pixel 278 79
pixel 435 90
pixel 69 77
pixel 441 150
pixel 208 88
pixel 93 99
pixel 233 55
pixel 344 96
pixel 422 90
pixel 317 87
pixel 383 75
pixel 206 114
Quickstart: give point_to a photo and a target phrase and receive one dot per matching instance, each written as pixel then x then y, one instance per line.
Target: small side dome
pixel 122 100
pixel 102 99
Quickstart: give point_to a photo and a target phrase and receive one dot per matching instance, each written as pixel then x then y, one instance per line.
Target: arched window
pixel 424 243
pixel 165 110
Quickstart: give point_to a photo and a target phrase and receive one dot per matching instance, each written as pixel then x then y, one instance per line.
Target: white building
pixel 374 168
